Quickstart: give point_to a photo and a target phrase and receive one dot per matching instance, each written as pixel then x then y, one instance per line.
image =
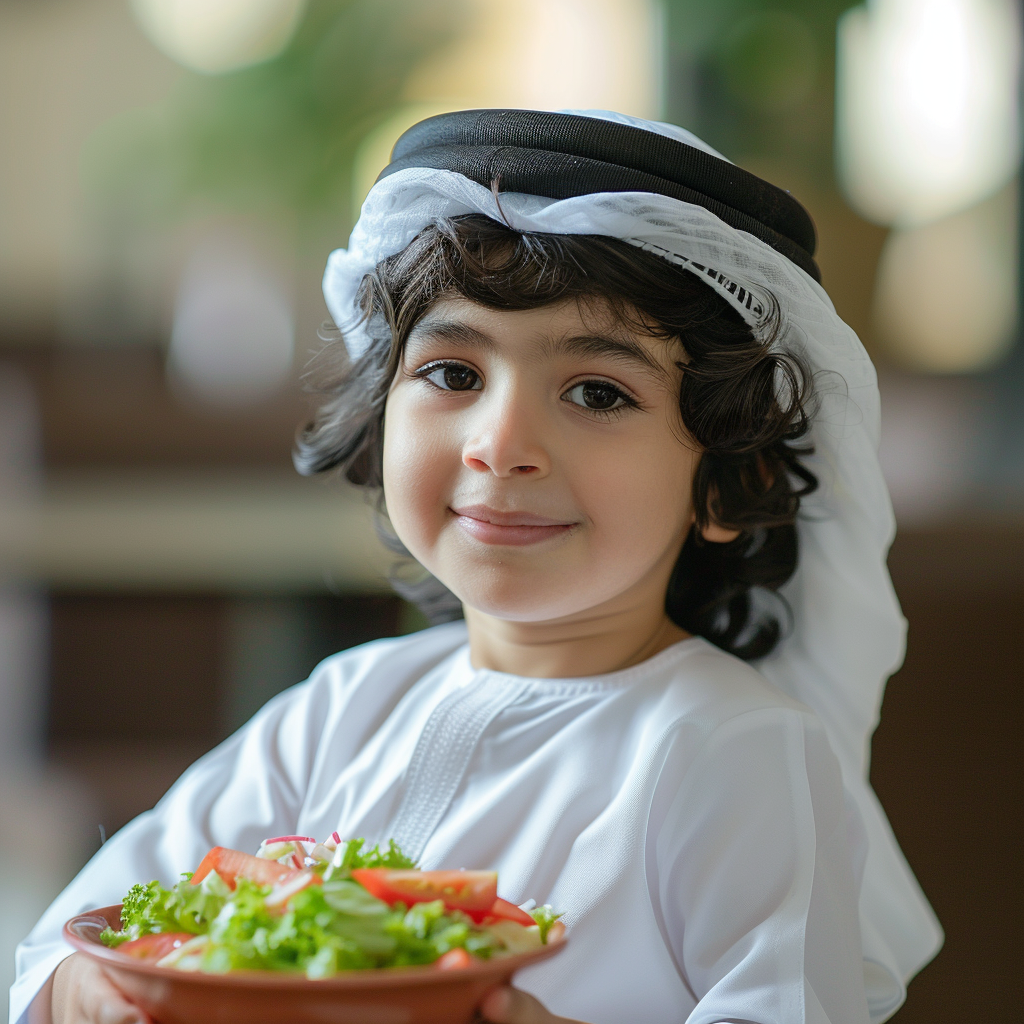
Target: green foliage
pixel 755 77
pixel 279 135
pixel 770 60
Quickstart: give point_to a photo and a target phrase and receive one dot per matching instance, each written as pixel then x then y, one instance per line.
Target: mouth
pixel 492 526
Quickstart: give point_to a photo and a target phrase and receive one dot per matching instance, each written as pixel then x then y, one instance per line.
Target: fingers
pixel 102 1003
pixel 83 994
pixel 510 1006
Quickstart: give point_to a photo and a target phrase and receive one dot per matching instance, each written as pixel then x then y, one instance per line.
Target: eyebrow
pixel 451 330
pixel 623 350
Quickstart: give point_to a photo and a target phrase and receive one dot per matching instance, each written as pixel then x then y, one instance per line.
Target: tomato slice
pixel 233 864
pixel 154 947
pixel 473 892
pixel 502 910
pixel 454 960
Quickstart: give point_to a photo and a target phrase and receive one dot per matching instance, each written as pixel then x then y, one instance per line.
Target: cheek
pixel 643 498
pixel 419 465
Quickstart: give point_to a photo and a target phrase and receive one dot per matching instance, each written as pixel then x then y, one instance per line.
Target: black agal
pixel 565 155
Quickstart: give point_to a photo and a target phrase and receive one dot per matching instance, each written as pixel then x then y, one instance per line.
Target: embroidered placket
pixel 442 756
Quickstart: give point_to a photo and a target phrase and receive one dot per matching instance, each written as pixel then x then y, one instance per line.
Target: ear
pixel 715 533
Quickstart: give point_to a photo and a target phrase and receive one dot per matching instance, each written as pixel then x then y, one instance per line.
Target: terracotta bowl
pixel 390 995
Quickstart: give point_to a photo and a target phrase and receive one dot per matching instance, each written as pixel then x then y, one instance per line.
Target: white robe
pixel 687 817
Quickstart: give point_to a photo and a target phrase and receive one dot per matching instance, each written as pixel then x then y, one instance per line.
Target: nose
pixel 507 437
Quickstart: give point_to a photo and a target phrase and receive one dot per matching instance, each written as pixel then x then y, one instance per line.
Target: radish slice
pixel 336 838
pixel 289 839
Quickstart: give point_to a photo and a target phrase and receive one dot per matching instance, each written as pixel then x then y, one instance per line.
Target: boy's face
pixel 535 461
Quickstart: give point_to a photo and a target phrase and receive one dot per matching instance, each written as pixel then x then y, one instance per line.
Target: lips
pixel 493 526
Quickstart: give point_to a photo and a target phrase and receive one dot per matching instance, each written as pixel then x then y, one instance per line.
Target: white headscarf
pixel 848 633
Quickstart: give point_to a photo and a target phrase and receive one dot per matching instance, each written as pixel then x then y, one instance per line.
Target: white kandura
pixel 687 817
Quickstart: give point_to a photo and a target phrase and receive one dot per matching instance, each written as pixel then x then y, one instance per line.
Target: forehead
pixel 545 329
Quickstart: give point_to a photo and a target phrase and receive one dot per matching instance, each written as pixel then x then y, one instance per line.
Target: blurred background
pixel 172 176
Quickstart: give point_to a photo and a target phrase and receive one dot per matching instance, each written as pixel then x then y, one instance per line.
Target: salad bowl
pixel 387 995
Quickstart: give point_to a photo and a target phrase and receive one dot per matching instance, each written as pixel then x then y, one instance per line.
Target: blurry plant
pixel 769 61
pixel 278 137
pixel 755 77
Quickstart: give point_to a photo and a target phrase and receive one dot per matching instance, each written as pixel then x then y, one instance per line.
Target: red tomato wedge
pixel 154 947
pixel 233 864
pixel 473 892
pixel 454 960
pixel 502 910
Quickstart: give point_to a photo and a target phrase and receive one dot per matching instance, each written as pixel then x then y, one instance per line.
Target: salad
pixel 319 908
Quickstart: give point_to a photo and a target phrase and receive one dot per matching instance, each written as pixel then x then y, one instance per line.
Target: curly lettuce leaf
pixel 111 938
pixel 185 907
pixel 355 856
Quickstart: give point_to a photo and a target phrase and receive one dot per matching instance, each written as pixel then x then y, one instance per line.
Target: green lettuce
pixel 185 907
pixel 325 928
pixel 355 857
pixel 545 917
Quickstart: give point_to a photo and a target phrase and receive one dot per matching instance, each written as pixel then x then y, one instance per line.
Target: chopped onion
pixel 320 853
pixel 274 851
pixel 182 950
pixel 284 891
pixel 289 839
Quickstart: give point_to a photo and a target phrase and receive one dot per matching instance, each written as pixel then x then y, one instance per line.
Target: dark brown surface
pixel 946 763
pixel 141 684
pixel 112 408
pixel 136 667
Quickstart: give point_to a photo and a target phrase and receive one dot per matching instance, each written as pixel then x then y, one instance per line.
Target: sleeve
pixel 754 880
pixel 249 787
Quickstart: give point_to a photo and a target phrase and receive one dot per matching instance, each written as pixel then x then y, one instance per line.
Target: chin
pixel 525 602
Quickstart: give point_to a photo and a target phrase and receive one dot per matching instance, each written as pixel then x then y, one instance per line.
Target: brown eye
pixel 596 394
pixel 454 377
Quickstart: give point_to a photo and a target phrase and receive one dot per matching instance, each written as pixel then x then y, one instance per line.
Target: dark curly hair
pixel 745 403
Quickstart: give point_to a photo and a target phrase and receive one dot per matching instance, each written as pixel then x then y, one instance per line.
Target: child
pixel 582 351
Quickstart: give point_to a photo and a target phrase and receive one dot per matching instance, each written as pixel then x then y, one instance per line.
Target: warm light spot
pixel 214 36
pixel 926 106
pixel 946 293
pixel 548 55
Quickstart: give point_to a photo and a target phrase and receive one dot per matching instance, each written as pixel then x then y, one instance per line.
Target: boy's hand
pixel 510 1006
pixel 83 994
